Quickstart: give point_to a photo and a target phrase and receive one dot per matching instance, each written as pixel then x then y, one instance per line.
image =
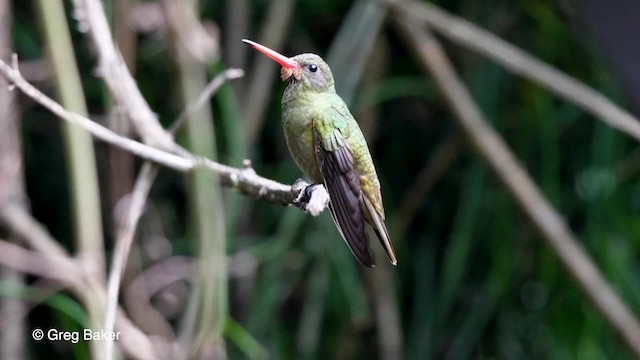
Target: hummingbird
pixel 327 144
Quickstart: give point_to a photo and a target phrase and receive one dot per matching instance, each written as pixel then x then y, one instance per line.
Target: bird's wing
pixel 336 163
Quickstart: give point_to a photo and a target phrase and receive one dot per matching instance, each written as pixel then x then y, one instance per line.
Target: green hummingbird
pixel 327 144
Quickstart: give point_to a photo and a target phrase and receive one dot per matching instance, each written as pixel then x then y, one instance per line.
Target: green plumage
pixel 327 144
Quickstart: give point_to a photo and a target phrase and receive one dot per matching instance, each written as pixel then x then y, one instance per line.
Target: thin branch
pixel 114 72
pixel 245 180
pixel 81 162
pixel 208 92
pixel 493 150
pixel 14 76
pixel 126 231
pixel 25 228
pixel 138 197
pixel 51 261
pixel 35 263
pixel 203 320
pixel 434 169
pixel 521 63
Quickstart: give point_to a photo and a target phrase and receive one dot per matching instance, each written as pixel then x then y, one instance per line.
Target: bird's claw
pixel 312 198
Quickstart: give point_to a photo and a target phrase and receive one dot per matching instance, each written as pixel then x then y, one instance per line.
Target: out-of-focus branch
pixel 114 72
pixel 20 223
pixel 137 199
pixel 204 96
pixel 433 170
pixel 79 152
pixel 237 15
pixel 13 336
pixel 353 45
pixel 65 271
pixel 200 41
pixel 124 238
pixel 128 221
pixel 521 63
pixel 492 149
pixel 32 262
pixel 121 168
pixel 207 308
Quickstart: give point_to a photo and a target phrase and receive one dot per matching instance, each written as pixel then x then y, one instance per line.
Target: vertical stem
pixel 121 166
pixel 207 310
pixel 12 338
pixel 79 153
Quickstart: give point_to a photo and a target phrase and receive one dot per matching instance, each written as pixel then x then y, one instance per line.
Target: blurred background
pixel 473 278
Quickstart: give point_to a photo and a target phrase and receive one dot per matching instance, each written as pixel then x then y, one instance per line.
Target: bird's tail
pixel 381 231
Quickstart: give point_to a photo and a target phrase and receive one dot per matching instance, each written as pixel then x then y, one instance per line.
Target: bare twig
pixel 203 320
pixel 245 180
pixel 121 162
pixel 199 41
pixel 136 344
pixel 353 45
pixel 521 63
pixel 114 72
pixel 126 231
pixel 20 223
pixel 211 88
pixel 237 15
pixel 12 337
pixel 32 262
pixel 175 162
pixel 137 200
pixel 81 163
pixel 490 146
pixel 433 170
pixel 63 269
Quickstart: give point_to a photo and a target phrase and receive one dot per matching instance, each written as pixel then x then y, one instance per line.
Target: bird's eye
pixel 313 67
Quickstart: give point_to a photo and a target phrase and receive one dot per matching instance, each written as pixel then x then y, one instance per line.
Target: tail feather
pixel 381 231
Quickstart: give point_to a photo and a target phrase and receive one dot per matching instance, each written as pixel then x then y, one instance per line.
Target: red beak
pixel 281 59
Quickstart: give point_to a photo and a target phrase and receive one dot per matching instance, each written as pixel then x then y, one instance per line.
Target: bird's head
pixel 306 70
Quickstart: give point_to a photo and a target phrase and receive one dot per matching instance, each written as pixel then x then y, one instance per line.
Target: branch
pixel 520 62
pixel 245 180
pixel 127 225
pixel 137 199
pixel 493 150
pixel 208 92
pixel 65 270
pixel 25 228
pixel 34 263
pixel 434 169
pixel 116 75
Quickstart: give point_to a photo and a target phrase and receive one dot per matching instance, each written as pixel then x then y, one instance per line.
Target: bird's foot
pixel 312 198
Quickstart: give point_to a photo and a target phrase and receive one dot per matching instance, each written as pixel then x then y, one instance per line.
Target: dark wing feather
pixel 345 195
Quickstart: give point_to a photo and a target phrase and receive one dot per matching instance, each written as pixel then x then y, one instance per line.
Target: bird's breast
pixel 297 121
